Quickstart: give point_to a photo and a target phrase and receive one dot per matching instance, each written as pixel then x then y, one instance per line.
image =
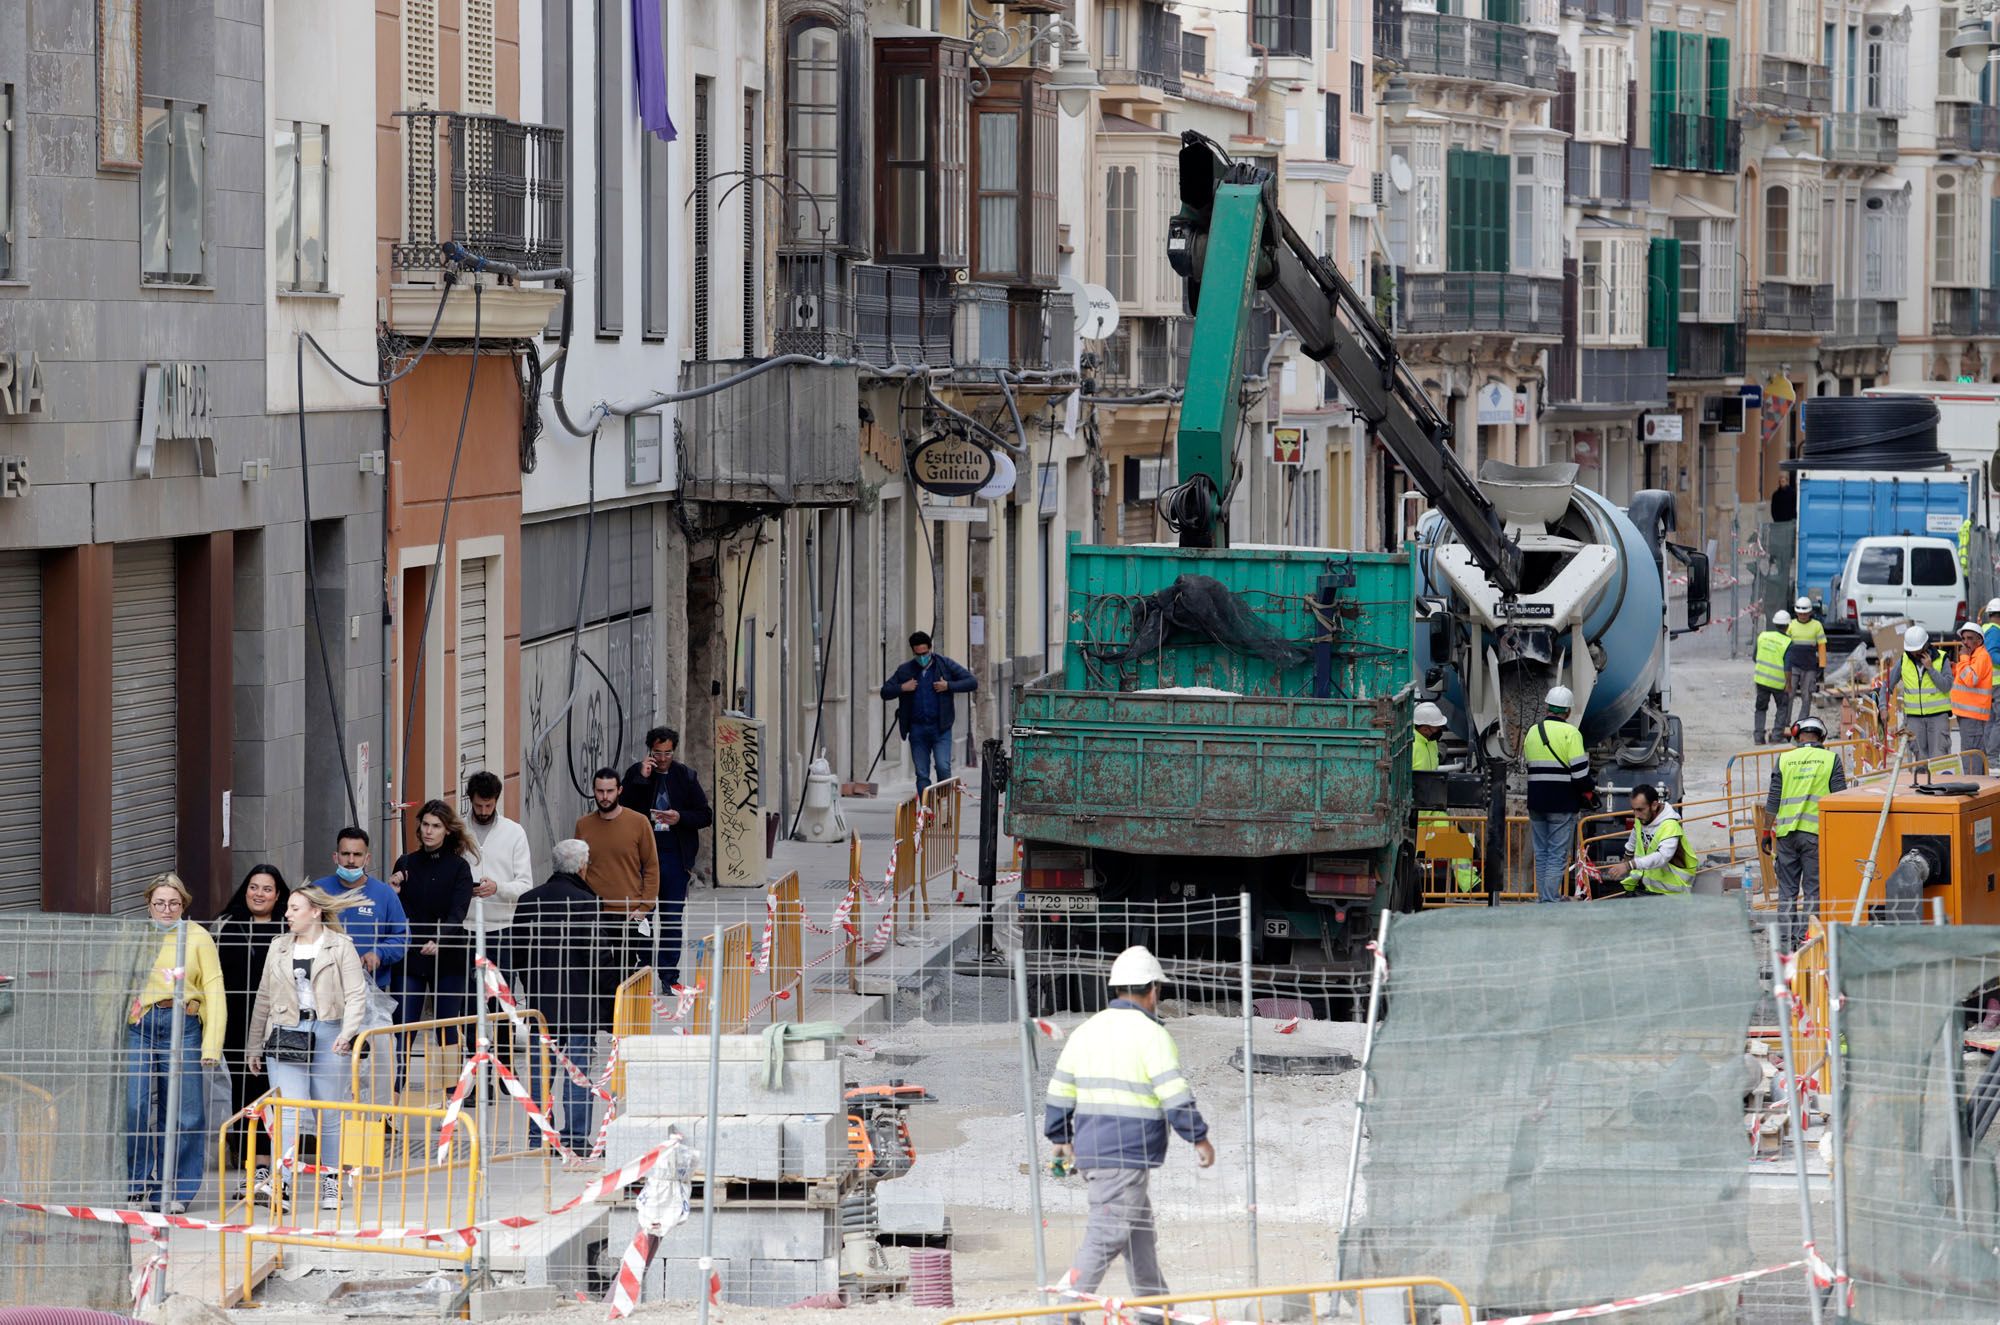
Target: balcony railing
pixel 485 182
pixel 1777 306
pixel 1610 174
pixel 1282 27
pixel 1705 350
pixel 1700 142
pixel 1968 128
pixel 1861 322
pixel 815 308
pixel 902 315
pixel 789 436
pixel 1605 11
pixel 1452 46
pixel 1790 85
pixel 1965 312
pixel 1861 136
pixel 1581 375
pixel 1480 301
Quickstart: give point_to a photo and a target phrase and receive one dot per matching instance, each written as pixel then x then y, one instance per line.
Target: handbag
pixel 289 1044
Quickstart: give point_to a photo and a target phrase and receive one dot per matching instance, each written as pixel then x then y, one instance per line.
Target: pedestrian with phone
pixel 669 794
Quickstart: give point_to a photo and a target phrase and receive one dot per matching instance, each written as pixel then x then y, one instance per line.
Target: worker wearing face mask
pixel 925 689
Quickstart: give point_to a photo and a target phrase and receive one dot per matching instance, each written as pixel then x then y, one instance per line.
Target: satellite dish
pixel 1399 172
pixel 1097 315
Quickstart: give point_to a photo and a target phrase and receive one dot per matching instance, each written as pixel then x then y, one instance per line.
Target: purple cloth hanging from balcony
pixel 649 69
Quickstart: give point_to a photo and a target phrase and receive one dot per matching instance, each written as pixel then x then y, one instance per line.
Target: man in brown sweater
pixel 624 869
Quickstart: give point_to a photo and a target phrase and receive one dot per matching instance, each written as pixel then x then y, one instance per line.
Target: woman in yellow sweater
pixel 153 1055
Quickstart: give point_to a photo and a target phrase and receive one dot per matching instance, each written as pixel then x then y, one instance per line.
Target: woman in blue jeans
pixel 313 981
pixel 153 1056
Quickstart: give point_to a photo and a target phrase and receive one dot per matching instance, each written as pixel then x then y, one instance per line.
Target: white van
pixel 1897 576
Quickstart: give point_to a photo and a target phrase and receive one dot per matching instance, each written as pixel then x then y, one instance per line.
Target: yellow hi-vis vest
pixel 1805 775
pixel 1118 1080
pixel 1424 759
pixel 1671 877
pixel 1771 646
pixel 1923 694
pixel 1423 753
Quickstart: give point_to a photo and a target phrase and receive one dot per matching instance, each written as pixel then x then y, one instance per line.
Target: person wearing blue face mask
pixel 380 931
pixel 923 689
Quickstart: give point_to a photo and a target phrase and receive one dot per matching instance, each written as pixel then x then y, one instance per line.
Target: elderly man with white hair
pixel 557 946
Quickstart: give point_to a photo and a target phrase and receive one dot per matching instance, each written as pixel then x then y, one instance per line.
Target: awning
pixel 1687 204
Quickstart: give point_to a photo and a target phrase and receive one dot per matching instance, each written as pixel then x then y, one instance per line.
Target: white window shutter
pixel 420 91
pixel 1620 130
pixel 480 93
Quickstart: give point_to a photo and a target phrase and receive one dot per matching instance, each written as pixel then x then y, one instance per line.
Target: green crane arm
pixel 1231 240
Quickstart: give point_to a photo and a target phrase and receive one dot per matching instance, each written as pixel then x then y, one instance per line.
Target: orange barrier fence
pixel 1451 859
pixel 1363 1301
pixel 929 854
pixel 631 1014
pixel 788 944
pixel 432 1056
pixel 729 1004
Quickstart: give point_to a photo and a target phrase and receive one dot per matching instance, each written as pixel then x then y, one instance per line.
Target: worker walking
pixel 1428 724
pixel 1559 786
pixel 1799 778
pixel 1924 683
pixel 1116 1090
pixel 1658 858
pixel 1972 695
pixel 1772 645
pixel 1805 661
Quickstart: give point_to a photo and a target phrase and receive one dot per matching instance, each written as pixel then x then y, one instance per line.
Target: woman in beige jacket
pixel 313 981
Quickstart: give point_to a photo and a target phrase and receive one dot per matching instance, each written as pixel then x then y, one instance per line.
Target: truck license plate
pixel 1048 902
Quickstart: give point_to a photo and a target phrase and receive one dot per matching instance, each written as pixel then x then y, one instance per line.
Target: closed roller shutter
pixel 144 709
pixel 20 731
pixel 471 668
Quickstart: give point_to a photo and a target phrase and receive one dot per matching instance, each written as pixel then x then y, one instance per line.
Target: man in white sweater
pixel 502 872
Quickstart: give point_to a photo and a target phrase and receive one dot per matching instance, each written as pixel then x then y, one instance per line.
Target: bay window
pixel 1794 222
pixel 1955 228
pixel 1416 208
pixel 1538 201
pixel 1476 221
pixel 1600 92
pixel 1707 268
pixel 1885 242
pixel 1121 232
pixel 813 68
pixel 1612 288
pixel 1014 146
pixel 920 151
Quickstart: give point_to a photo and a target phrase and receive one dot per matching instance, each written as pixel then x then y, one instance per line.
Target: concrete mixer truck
pixel 1233 723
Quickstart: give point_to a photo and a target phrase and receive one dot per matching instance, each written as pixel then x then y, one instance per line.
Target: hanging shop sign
pixel 174 406
pixel 1661 427
pixel 22 392
pixel 951 465
pixel 1287 446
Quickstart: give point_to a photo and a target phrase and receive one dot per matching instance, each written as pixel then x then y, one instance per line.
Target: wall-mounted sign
pixel 120 145
pixel 1660 428
pixel 1753 395
pixel 1287 447
pixel 643 435
pixel 951 465
pixel 1495 405
pixel 21 388
pixel 174 406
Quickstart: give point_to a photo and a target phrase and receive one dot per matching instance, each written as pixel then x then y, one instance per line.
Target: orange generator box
pixel 1950 823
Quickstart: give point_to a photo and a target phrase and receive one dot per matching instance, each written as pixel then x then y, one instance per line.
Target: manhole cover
pixel 1296 1065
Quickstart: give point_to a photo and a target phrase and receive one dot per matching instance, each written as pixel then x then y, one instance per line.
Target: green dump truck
pixel 1225 721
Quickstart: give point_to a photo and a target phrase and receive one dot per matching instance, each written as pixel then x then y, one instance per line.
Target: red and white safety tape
pixel 1643 1299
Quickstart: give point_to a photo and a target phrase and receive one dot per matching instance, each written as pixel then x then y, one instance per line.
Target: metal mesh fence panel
pixel 1915 1106
pixel 66 1072
pixel 1556 1101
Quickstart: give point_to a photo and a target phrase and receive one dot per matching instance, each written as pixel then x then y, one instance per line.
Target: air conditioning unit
pixel 1378 189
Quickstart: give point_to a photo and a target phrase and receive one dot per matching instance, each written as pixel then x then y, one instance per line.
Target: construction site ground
pixel 922 1021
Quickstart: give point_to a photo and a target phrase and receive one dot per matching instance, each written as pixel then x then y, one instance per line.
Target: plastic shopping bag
pixel 381 1010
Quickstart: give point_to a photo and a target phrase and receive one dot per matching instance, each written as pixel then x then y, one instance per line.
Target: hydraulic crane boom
pixel 1231 238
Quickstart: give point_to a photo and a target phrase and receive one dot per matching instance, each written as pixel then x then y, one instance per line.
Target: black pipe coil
pixel 1869 432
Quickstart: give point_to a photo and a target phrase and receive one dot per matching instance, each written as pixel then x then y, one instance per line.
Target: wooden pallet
pixel 816 1193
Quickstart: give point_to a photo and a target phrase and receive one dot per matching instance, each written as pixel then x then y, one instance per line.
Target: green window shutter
pixel 1663 297
pixel 1457 209
pixel 1693 70
pixel 1499 231
pixel 1718 103
pixel 1664 50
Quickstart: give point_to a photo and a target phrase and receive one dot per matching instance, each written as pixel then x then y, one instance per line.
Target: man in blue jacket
pixel 1116 1090
pixel 380 930
pixel 923 688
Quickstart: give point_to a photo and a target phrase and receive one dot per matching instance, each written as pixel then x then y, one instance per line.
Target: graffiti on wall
pixel 739 802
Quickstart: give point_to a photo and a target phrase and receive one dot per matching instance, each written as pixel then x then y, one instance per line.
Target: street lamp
pixel 1973 44
pixel 1792 136
pixel 1397 98
pixel 996 44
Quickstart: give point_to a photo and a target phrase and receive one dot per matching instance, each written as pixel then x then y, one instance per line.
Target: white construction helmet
pixel 1915 638
pixel 1812 725
pixel 1561 698
pixel 1970 628
pixel 1781 617
pixel 1992 607
pixel 1428 715
pixel 1134 968
pixel 1803 605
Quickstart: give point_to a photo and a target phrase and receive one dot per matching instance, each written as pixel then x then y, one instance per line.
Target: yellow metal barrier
pixel 390 1179
pixel 1450 841
pixel 1376 1301
pixel 937 857
pixel 442 1064
pixel 852 908
pixel 29 1126
pixel 1809 1011
pixel 631 1014
pixel 730 1003
pixel 788 946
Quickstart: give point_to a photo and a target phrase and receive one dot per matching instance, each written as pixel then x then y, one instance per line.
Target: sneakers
pixel 261 1188
pixel 329 1191
pixel 1992 1020
pixel 177 1207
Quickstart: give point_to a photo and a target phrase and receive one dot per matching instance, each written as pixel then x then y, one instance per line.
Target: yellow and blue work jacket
pixel 1117 1088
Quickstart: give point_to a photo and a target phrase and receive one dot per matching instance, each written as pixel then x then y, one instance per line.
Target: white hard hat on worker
pixel 1992 608
pixel 1916 639
pixel 1804 606
pixel 1561 698
pixel 1781 617
pixel 1428 715
pixel 1135 968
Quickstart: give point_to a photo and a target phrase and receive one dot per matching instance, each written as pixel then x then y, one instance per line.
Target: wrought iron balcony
pixel 1706 143
pixel 1581 375
pixel 1777 306
pixel 815 313
pixel 1605 11
pixel 1789 85
pixel 1705 350
pixel 1610 175
pixel 488 183
pixel 1860 136
pixel 1453 46
pixel 1480 301
pixel 1965 313
pixel 1963 128
pixel 902 315
pixel 1861 322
